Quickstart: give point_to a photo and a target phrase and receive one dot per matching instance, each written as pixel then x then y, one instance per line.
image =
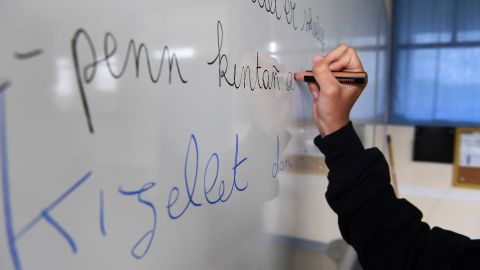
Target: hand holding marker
pixel 336 81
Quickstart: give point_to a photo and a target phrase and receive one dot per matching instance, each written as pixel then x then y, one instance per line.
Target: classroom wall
pixel 428 185
pixel 426 174
pixel 318 222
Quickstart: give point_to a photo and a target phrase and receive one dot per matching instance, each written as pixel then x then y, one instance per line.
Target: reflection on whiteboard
pixel 169 134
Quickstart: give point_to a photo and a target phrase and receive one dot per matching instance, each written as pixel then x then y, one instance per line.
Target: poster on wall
pixel 467 157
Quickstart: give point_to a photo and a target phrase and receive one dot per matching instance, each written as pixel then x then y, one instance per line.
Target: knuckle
pixel 320 67
pixel 352 51
pixel 320 61
pixel 319 64
pixel 343 46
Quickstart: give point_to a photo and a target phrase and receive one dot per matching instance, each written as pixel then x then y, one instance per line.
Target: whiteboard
pixel 153 134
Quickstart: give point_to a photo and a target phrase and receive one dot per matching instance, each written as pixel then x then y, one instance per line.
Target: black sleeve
pixel 386 232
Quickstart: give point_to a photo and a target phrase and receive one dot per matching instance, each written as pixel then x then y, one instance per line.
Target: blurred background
pixel 434 111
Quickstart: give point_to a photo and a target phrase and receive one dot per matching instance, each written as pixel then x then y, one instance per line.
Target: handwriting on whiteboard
pixel 148 236
pixel 266 78
pixel 287 12
pixel 191 181
pixel 279 165
pixel 180 198
pixel 85 74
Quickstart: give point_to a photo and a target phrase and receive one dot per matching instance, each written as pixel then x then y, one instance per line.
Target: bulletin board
pixel 466 172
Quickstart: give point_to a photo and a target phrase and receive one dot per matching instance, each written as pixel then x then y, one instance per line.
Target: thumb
pixel 323 75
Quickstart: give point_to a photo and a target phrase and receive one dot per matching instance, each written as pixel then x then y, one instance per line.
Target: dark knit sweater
pixel 387 232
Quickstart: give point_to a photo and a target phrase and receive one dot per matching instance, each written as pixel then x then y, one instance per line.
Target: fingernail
pixel 317 58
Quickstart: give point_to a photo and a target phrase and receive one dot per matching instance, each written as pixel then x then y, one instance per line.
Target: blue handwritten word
pixel 279 165
pixel 151 233
pixel 215 190
pixel 191 182
pixel 102 214
pixel 7 208
pixel 45 215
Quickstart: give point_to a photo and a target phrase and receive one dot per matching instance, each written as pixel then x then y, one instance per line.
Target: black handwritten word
pixel 270 6
pixel 87 72
pixel 309 25
pixel 241 78
pixel 288 14
pixel 28 55
pixel 289 8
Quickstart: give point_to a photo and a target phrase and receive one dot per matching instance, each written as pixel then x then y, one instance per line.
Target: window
pixel 436 62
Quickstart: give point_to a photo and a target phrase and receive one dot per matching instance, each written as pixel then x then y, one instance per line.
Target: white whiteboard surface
pixel 126 177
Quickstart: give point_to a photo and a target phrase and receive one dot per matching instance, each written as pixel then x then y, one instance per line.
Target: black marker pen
pixel 345 77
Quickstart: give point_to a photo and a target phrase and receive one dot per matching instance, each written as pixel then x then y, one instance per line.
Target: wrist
pixel 340 146
pixel 326 129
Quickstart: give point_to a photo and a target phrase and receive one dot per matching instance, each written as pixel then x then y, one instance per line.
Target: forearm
pixel 386 232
